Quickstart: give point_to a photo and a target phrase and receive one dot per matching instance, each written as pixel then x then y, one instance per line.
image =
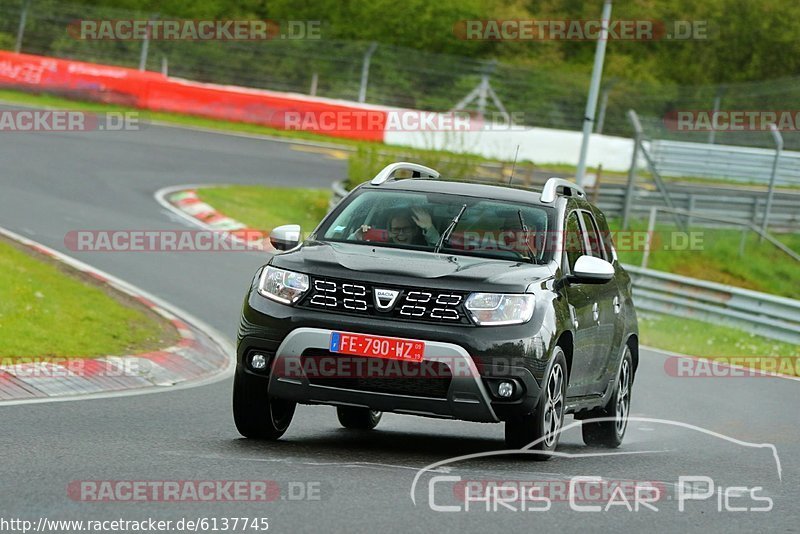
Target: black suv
pixel 443 299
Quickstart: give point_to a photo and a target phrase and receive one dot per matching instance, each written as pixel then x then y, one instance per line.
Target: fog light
pixel 258 361
pixel 505 389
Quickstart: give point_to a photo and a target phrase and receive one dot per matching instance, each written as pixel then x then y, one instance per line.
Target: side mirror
pixel 285 237
pixel 591 270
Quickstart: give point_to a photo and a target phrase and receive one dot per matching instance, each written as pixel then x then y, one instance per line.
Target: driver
pixel 408 227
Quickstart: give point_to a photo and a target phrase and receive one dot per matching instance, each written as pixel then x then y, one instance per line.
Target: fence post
pixel 145 48
pixel 314 81
pixel 637 140
pixel 601 115
pixel 594 90
pixel 651 227
pixel 23 18
pixel 164 66
pixel 717 102
pixel 362 91
pixel 598 178
pixel 778 147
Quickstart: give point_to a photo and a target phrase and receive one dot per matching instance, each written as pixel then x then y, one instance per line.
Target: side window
pixel 595 243
pixel 574 242
pixel 605 234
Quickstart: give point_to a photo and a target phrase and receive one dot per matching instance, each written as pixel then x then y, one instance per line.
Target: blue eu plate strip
pixel 336 338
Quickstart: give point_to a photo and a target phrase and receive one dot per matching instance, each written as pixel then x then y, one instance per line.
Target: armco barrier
pixel 156 92
pixel 758 313
pixel 743 204
pixel 744 164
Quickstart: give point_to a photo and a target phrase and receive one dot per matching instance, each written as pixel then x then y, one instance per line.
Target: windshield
pixel 418 221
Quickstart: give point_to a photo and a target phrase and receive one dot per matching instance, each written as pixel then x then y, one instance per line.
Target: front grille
pixel 417 379
pixel 411 304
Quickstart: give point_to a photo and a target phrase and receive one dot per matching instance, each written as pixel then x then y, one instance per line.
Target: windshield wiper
pixel 525 233
pixel 450 227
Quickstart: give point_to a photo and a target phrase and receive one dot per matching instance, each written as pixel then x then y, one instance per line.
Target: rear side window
pixel 605 234
pixel 595 243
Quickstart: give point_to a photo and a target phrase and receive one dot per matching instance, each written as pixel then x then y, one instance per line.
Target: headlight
pixel 499 309
pixel 284 286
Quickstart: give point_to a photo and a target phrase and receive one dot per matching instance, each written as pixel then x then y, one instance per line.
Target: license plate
pixel 390 348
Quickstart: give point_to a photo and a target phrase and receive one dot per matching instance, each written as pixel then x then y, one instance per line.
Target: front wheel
pixel 542 427
pixel 258 415
pixel 609 433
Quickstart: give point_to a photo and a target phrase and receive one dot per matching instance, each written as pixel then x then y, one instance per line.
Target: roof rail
pixel 388 172
pixel 569 189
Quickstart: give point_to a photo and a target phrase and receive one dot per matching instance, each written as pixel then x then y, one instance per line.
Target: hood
pixel 391 265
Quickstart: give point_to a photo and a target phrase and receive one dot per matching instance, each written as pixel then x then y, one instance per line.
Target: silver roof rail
pixel 388 172
pixel 551 190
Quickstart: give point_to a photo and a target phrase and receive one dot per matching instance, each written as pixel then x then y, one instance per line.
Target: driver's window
pixel 574 242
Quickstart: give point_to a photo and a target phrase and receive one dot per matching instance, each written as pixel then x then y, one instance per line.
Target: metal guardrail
pixel 745 164
pixel 758 313
pixel 744 205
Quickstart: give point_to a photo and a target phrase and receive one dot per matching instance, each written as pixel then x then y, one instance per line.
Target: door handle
pixel 617 305
pixel 596 312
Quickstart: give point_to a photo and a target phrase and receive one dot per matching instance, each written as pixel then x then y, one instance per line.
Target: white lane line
pixel 296 461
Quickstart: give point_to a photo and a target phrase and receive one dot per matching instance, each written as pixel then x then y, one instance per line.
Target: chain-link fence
pixel 396 76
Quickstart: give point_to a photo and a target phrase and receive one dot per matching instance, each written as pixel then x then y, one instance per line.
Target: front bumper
pixel 477 358
pixel 467 397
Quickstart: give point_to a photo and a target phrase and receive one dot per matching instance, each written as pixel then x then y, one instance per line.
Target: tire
pixel 611 433
pixel 358 418
pixel 542 426
pixel 256 414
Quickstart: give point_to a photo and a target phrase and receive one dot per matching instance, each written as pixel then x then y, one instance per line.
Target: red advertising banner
pixel 156 92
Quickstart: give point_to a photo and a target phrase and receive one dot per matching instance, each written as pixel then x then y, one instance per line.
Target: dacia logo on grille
pixel 385 298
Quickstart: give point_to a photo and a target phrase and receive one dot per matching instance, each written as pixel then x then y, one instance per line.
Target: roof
pixel 495 192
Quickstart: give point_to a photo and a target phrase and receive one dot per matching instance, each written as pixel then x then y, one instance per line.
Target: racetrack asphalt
pixel 52 183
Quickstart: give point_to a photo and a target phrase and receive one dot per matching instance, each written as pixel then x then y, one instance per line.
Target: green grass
pixel 49 312
pixel 763 267
pixel 707 340
pixel 264 208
